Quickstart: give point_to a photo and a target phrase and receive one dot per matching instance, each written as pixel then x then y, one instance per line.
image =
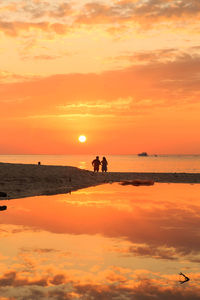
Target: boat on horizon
pixel 143 154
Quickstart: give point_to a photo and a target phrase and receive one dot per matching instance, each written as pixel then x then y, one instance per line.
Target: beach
pixel 27 180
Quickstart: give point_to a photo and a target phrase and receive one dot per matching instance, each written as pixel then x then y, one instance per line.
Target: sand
pixel 26 180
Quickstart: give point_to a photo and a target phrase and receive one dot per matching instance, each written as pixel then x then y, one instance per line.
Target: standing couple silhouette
pixel 97 163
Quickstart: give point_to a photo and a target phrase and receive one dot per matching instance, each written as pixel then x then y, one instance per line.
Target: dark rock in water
pixel 4 207
pixel 2 194
pixel 137 182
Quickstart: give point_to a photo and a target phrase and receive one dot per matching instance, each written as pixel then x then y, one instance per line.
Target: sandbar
pixel 27 180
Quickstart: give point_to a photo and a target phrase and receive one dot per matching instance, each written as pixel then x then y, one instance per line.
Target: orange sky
pixel 123 72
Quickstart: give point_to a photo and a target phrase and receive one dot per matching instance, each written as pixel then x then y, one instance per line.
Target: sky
pixel 125 73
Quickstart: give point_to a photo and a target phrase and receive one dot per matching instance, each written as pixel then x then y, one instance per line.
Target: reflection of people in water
pixel 96 163
pixel 104 164
pixel 186 278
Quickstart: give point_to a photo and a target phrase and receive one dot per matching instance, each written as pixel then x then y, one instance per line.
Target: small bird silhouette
pixel 186 278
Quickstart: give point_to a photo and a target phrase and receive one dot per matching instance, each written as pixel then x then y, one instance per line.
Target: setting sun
pixel 82 138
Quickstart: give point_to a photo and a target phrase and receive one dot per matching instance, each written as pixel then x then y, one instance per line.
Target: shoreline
pixel 27 180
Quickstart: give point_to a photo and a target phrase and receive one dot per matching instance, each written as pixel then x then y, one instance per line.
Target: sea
pixel 116 163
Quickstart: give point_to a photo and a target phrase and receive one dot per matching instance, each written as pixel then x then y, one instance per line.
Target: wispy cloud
pixel 70 116
pixel 160 83
pixel 99 107
pixel 44 57
pixel 9 77
pixel 61 16
pixel 14 29
pixel 36 9
pixel 145 13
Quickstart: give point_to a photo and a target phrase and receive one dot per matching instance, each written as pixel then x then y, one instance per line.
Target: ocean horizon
pixel 175 163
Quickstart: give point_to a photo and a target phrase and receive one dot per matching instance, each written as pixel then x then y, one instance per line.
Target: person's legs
pixel 96 169
pixel 104 169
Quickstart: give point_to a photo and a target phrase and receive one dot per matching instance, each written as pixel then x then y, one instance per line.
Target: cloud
pixel 14 29
pixel 25 53
pixel 7 279
pixel 166 81
pixel 37 9
pixel 115 16
pixel 39 250
pixel 146 289
pixel 149 57
pixel 58 279
pixel 44 57
pixel 63 10
pixel 99 108
pixel 112 282
pixel 153 252
pixel 141 289
pixel 6 77
pixel 12 7
pixel 11 279
pixel 69 116
pixel 144 13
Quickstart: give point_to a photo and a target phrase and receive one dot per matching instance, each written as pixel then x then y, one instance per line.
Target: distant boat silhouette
pixel 4 207
pixel 143 154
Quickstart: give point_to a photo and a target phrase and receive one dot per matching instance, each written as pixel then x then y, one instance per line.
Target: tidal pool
pixel 105 242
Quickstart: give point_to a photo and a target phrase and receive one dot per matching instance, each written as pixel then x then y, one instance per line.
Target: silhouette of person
pixel 96 163
pixel 104 164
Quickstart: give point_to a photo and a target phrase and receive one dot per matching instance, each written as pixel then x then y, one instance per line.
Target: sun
pixel 82 138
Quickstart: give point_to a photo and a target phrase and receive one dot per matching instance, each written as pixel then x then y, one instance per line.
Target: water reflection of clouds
pixel 144 250
pixel 111 284
pixel 155 216
pixel 64 250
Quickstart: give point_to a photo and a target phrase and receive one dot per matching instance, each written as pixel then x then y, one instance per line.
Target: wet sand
pixel 26 180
